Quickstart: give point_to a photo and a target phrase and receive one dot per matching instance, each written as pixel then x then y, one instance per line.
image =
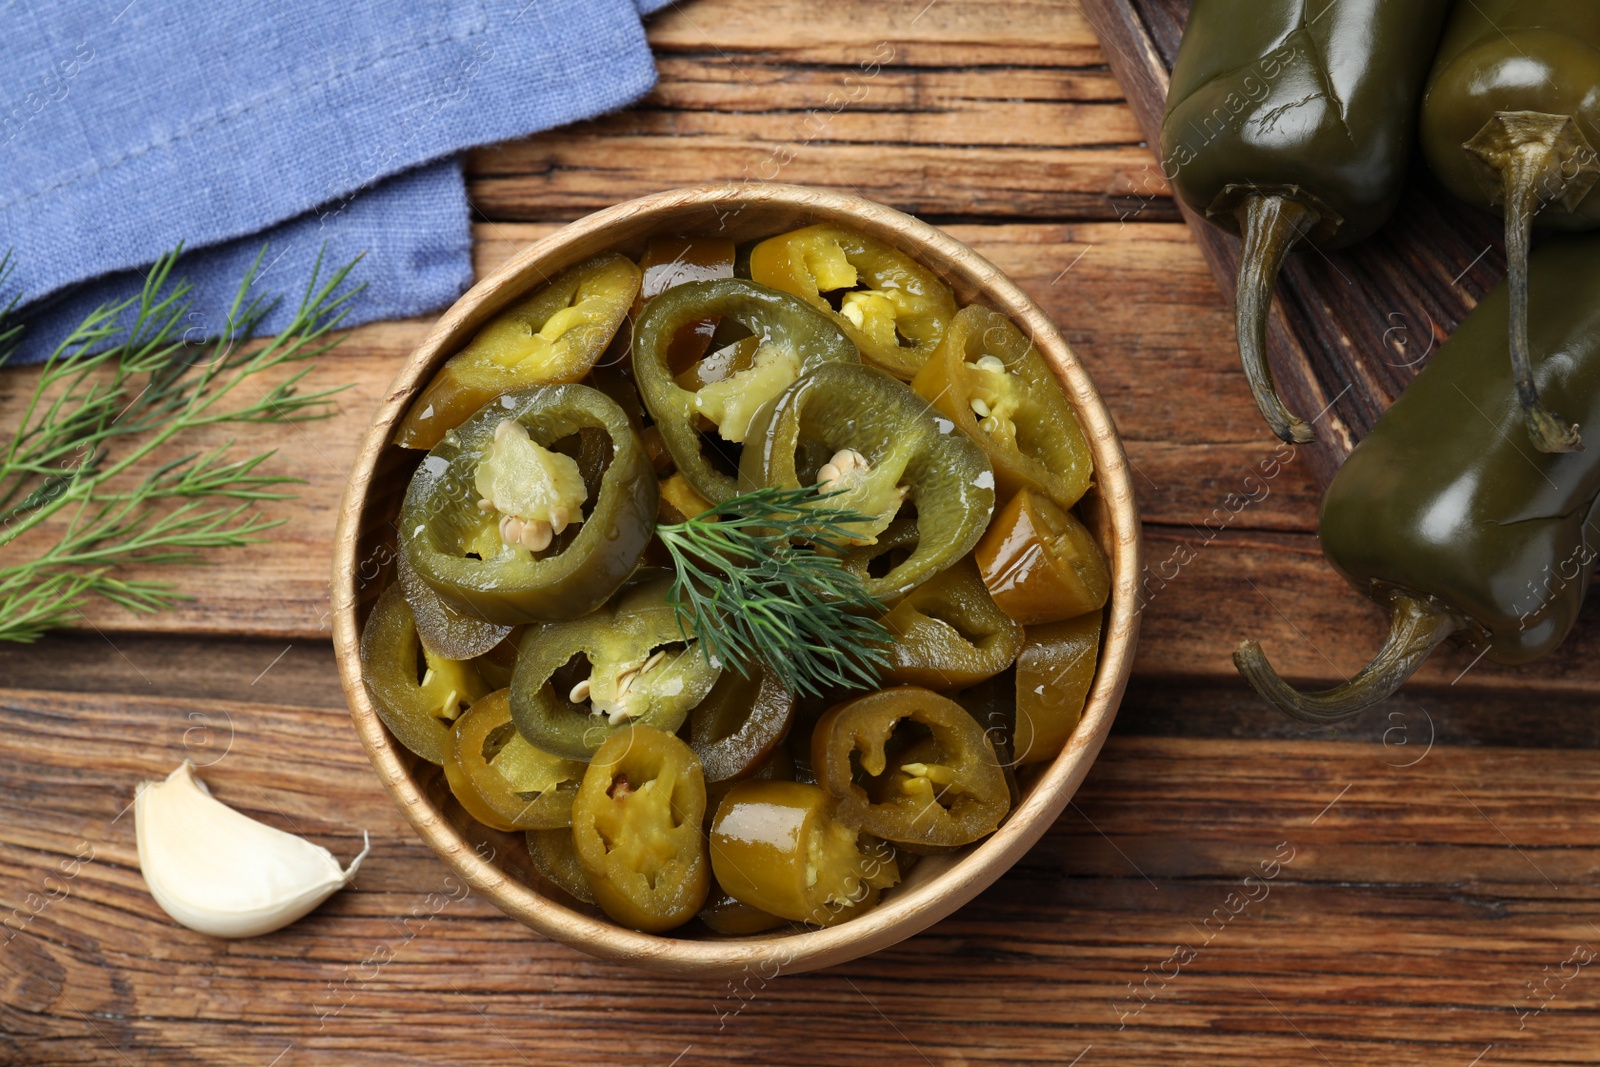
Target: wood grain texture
pixel 1398 915
pixel 1406 930
pixel 1350 327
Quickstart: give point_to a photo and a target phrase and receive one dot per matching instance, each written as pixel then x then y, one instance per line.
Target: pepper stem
pixel 1416 628
pixel 1528 159
pixel 1271 225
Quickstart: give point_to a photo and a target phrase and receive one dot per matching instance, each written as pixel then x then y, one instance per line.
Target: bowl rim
pixel 907 912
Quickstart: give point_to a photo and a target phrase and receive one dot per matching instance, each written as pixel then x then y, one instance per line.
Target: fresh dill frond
pixel 84 451
pixel 754 596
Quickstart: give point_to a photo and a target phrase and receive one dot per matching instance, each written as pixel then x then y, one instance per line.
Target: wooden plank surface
pixel 1443 849
pixel 1396 914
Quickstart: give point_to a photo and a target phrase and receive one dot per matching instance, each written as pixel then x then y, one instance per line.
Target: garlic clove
pixel 221 872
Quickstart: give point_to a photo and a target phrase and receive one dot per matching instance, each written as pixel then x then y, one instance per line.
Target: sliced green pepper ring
pixel 636 829
pixel 779 848
pixel 729 916
pixel 739 723
pixel 504 782
pixel 887 449
pixel 416 692
pixel 444 630
pixel 556 858
pixel 892 548
pixel 1041 563
pixel 456 547
pixel 553 336
pixel 496 665
pixel 912 767
pixel 1054 672
pixel 792 339
pixel 990 379
pixel 948 633
pixel 577 683
pixel 896 321
pixel 993 704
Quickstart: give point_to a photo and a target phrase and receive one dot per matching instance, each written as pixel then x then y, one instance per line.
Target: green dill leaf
pixel 85 451
pixel 752 596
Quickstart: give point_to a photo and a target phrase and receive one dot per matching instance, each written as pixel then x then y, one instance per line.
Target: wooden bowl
pixel 496 864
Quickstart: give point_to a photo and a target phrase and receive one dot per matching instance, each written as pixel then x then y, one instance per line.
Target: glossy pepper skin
pixel 740 723
pixel 1445 516
pixel 454 546
pixel 896 321
pixel 553 336
pixel 556 858
pixel 728 915
pixel 944 791
pixel 638 671
pixel 797 338
pixel 636 829
pixel 1292 120
pixel 1511 122
pixel 1010 404
pixel 948 633
pixel 1055 669
pixel 779 848
pixel 843 406
pixel 1040 563
pixel 445 630
pixel 417 713
pixel 672 261
pixel 501 780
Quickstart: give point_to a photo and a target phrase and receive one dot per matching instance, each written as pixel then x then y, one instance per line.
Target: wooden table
pixel 1228 887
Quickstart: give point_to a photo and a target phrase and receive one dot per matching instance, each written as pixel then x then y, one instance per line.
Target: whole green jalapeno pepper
pixel 724 391
pixel 1442 513
pixel 1511 122
pixel 510 530
pixel 1291 120
pixel 887 447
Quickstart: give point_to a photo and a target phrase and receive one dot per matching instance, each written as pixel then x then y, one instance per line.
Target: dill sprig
pixel 108 398
pixel 752 595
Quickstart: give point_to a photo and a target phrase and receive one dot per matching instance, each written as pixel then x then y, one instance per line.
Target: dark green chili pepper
pixel 1445 516
pixel 1291 120
pixel 1511 122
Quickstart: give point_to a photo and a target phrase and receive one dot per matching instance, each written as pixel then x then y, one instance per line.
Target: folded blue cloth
pixel 332 123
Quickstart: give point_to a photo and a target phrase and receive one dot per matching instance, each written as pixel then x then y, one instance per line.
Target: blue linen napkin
pixel 130 126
